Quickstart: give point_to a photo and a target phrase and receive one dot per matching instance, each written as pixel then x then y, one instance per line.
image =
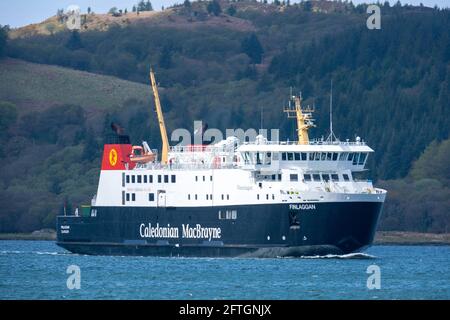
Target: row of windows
pixel 272 177
pixel 267 197
pixel 357 158
pixel 228 214
pixel 149 179
pixel 317 177
pixel 132 197
pixel 208 197
pixel 204 178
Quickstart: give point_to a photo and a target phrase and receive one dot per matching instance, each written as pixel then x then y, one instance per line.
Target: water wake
pixel 53 253
pixel 356 255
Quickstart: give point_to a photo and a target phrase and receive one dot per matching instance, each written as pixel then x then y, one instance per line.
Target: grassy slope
pixel 32 86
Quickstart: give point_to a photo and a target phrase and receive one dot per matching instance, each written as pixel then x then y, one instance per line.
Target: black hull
pixel 257 231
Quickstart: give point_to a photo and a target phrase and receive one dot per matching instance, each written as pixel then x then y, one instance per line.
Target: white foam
pixel 356 255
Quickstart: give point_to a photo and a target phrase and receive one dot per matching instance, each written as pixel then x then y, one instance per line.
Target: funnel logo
pixel 113 157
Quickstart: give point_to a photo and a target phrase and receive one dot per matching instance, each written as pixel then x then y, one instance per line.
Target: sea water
pixel 42 270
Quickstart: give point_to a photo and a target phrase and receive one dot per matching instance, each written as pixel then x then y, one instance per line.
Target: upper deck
pixel 263 155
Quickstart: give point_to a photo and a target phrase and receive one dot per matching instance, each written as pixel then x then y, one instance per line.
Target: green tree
pixel 253 48
pixel 307 6
pixel 165 59
pixel 91 147
pixel 144 6
pixel 74 41
pixel 214 8
pixel 231 10
pixel 113 10
pixel 8 115
pixel 50 28
pixel 3 40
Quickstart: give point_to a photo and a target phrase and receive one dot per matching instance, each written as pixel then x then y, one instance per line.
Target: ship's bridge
pixel 272 156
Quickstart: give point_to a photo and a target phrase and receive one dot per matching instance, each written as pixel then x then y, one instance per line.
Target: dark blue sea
pixel 38 270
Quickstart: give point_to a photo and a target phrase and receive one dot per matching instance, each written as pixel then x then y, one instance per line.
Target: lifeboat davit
pixel 138 155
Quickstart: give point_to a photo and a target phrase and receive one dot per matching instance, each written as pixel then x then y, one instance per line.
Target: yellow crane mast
pixel 304 119
pixel 162 126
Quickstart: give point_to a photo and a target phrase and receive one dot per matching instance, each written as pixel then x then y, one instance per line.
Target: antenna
pixel 331 108
pixel 262 117
pixel 331 137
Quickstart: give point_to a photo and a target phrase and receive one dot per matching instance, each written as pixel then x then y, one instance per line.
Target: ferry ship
pixel 228 199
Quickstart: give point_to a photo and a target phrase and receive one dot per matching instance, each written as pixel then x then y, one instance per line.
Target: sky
pixel 18 13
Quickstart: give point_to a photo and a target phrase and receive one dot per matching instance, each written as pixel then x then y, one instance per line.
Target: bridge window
pixel 297 156
pixel 307 177
pixel 276 156
pixel 128 197
pixel 223 197
pixel 355 159
pixel 268 159
pixel 151 197
pixel 257 197
pixel 267 197
pixel 335 156
pixel 294 177
pixel 345 176
pixel 159 178
pixel 150 177
pixel 128 178
pixel 334 177
pixel 173 178
pixel 343 156
pixel 133 197
pixel 228 197
pixel 166 178
pixel 145 178
pixel 317 156
pixel 290 156
pixel 284 156
pixel 350 156
pixel 195 197
pixel 196 178
pixel 325 177
pixel 246 157
pixel 258 158
pixel 303 155
pixel 316 177
pixel 324 156
pixel 362 158
pixel 139 179
pixel 189 197
pixel 133 179
pixel 329 156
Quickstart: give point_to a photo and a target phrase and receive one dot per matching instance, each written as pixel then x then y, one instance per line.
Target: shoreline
pixel 411 238
pixel 381 237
